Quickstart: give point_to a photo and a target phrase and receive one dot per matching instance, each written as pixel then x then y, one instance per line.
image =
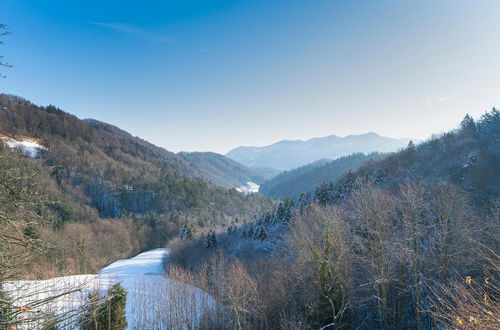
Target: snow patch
pixel 249 188
pixel 28 146
pixel 153 301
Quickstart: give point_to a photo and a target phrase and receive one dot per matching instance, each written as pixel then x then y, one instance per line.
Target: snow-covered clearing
pixel 249 188
pixel 29 147
pixel 153 301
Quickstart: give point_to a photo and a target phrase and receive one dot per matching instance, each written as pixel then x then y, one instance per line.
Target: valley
pixel 210 249
pixel 249 165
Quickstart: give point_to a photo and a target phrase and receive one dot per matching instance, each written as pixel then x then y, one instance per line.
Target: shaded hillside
pixel 286 155
pixel 290 184
pixel 105 167
pixel 223 171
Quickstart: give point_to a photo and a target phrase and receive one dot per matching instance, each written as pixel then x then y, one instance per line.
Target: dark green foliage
pixel 106 312
pixel 468 126
pixel 331 296
pixel 29 232
pixel 210 241
pixel 5 309
pixel 260 234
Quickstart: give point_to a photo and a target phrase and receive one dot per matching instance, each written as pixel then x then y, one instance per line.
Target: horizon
pixel 193 76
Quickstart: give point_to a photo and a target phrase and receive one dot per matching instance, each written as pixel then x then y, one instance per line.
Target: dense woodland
pixel 407 241
pixel 291 184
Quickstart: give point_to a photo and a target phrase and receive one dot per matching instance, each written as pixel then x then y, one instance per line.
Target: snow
pixel 153 301
pixel 249 188
pixel 29 147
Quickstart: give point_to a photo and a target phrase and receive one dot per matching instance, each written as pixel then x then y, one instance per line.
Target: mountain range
pixel 287 154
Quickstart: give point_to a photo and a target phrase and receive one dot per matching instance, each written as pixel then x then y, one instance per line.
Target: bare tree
pixel 21 216
pixel 3 33
pixel 471 302
pixel 374 229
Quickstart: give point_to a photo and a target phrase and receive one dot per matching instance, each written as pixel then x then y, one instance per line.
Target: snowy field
pixel 153 301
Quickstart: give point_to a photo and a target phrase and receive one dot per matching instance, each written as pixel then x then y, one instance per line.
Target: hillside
pixel 290 184
pixel 107 168
pixel 223 171
pixel 94 194
pixel 416 230
pixel 468 157
pixel 286 155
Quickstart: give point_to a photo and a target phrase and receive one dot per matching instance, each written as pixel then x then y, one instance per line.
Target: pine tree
pixel 468 126
pixel 186 232
pixel 116 307
pixel 210 241
pixel 106 312
pixel 261 234
pixel 330 295
pixel 5 309
pixel 250 231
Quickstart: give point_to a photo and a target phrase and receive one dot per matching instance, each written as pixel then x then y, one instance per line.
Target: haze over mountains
pixel 223 171
pixel 287 154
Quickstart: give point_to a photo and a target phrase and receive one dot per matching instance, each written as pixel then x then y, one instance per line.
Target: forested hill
pixel 468 157
pixel 291 184
pixel 223 171
pixel 112 171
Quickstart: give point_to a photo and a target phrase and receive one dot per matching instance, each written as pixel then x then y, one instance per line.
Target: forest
pixel 408 240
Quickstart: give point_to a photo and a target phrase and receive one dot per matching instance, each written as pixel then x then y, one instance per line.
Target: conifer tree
pixel 106 312
pixel 468 126
pixel 261 234
pixel 210 241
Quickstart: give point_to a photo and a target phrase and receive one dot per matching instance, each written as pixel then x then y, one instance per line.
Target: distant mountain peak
pixel 289 154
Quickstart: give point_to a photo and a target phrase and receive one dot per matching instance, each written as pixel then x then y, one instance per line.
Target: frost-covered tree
pixel 325 193
pixel 187 232
pixel 468 126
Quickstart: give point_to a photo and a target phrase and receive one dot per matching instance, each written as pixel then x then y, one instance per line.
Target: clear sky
pixel 213 75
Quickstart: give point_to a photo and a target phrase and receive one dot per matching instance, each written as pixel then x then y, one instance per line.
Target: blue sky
pixel 213 75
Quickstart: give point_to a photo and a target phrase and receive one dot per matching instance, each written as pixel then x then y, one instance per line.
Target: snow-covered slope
pixel 249 188
pixel 28 146
pixel 153 301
